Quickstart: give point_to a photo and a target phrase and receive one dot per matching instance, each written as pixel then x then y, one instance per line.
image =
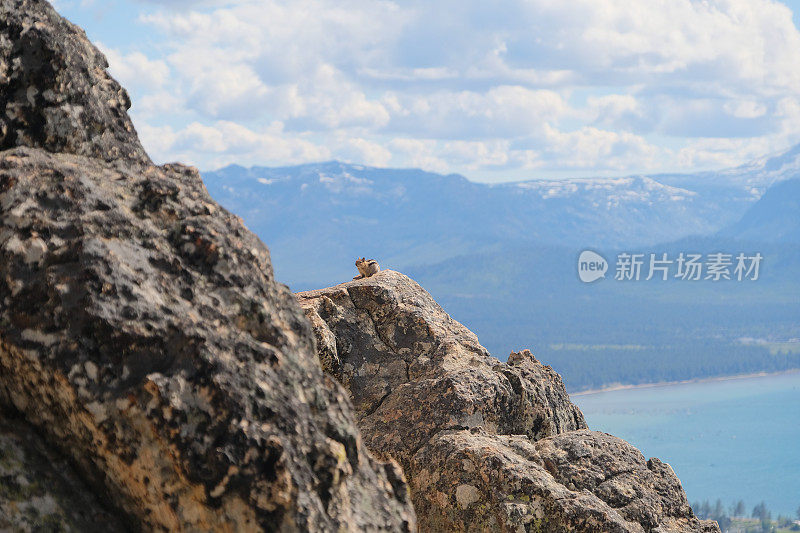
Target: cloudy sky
pixel 492 90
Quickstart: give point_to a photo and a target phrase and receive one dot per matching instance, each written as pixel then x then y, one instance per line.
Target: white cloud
pixel 473 155
pixel 590 147
pixel 618 111
pixel 503 111
pixel 418 153
pixel 716 152
pixel 747 45
pixel 465 86
pixel 224 142
pixel 135 69
pixel 356 150
pixel 745 109
pixel 329 101
pixel 158 104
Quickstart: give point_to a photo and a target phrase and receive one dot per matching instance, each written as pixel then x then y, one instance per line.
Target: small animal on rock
pixel 366 268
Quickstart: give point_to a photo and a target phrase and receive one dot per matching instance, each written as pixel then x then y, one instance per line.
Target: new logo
pixel 591 266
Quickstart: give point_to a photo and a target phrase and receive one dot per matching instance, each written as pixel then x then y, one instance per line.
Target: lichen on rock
pixel 151 342
pixel 55 93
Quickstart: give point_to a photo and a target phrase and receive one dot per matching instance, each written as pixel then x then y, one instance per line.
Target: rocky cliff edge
pixel 486 445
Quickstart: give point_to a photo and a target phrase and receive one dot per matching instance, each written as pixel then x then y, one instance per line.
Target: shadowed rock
pixel 39 491
pixel 486 445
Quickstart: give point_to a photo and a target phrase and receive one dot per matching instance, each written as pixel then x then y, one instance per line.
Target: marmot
pixel 366 268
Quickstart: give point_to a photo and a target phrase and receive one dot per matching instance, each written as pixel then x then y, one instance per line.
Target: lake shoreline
pixel 614 388
pixel 710 433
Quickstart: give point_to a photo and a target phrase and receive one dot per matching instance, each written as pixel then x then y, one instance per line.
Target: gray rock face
pixel 142 332
pixel 403 358
pixel 39 490
pixel 55 93
pixel 487 446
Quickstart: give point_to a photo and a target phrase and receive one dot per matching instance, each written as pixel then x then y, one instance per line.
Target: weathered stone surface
pixel 643 491
pixel 578 481
pixel 55 93
pixel 487 446
pixel 39 491
pixel 143 332
pixel 412 370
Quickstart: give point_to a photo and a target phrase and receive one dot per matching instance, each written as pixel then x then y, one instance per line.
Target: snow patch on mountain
pixel 616 190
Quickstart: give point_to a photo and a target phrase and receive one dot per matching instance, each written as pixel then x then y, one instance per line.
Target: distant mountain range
pixel 317 218
pixel 774 218
pixel 501 258
pixel 756 176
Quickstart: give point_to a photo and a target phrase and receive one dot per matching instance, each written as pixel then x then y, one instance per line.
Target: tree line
pixel 725 516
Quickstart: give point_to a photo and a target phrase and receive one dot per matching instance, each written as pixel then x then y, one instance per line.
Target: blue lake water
pixel 733 439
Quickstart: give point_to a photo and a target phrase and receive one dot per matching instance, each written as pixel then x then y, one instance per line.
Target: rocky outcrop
pixel 55 93
pixel 404 359
pixel 142 332
pixel 487 446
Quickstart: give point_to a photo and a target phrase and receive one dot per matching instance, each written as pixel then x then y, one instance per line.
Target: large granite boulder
pixel 486 445
pixel 580 481
pixel 143 336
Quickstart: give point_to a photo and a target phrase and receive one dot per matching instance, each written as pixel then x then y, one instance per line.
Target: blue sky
pixel 518 89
